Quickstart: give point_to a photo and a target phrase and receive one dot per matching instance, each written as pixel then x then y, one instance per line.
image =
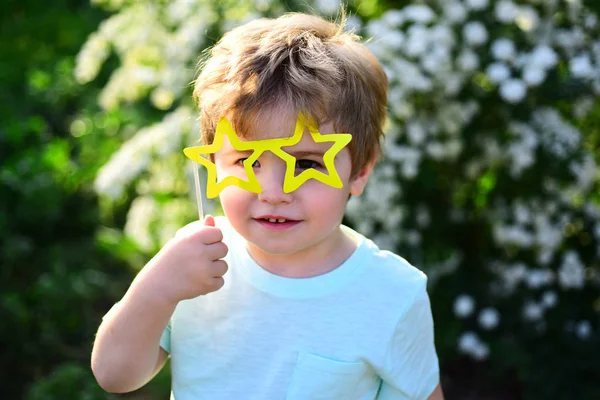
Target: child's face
pixel 312 213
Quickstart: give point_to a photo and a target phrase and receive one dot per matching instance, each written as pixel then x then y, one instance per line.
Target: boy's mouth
pixel 275 218
pixel 276 221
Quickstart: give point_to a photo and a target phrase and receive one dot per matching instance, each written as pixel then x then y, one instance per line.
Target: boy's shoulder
pixel 391 269
pixel 386 272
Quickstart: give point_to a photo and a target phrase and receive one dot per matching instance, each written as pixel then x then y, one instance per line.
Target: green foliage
pixel 67 381
pixel 57 282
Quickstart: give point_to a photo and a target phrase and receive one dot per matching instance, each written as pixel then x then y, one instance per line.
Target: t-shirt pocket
pixel 320 378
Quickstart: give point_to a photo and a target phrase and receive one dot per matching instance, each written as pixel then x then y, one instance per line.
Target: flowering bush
pixel 489 180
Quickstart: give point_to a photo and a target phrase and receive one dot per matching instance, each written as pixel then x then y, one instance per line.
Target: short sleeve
pixel 411 368
pixel 165 339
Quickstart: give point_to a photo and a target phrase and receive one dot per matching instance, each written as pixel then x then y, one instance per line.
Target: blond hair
pixel 298 61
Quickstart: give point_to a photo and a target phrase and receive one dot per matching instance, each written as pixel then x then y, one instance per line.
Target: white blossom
pixel 469 343
pixel 178 10
pixel 583 330
pixel 489 318
pixel 453 82
pixel 464 305
pixel 443 38
pixel 475 33
pixel 417 41
pixel 353 23
pixel 376 29
pixel 571 273
pixel 136 154
pixel 512 275
pixel 423 217
pixel 162 98
pixel 481 352
pixel 522 156
pixel 536 278
pixel 549 299
pixel 583 106
pixel 533 311
pixel 419 13
pixel 393 40
pixel 142 213
pixel 455 12
pixel 560 137
pixel 384 241
pixel 591 21
pixel 581 66
pixel 513 90
pixel 89 60
pixel 498 72
pixel 327 6
pixel 416 132
pixel 503 49
pixel 527 18
pixel 411 77
pixel 533 76
pixel 522 213
pixel 542 57
pixel 506 11
pixel 548 236
pixel 393 18
pixel 413 237
pixel 586 172
pixel 467 60
pixel 477 5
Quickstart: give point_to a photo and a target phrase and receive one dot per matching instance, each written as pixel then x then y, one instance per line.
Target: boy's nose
pixel 271 183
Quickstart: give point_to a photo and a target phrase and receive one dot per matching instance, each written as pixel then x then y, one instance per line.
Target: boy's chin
pixel 271 250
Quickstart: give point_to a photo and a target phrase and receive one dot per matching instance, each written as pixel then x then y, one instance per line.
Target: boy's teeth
pixel 275 220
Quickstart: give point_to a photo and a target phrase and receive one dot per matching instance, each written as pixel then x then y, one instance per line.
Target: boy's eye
pixel 241 162
pixel 307 164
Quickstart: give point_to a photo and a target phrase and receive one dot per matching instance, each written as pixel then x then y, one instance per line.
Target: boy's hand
pixel 189 265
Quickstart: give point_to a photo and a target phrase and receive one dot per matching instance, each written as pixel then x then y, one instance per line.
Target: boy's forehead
pixel 272 123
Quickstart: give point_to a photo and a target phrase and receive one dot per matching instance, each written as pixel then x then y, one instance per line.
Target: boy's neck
pixel 316 260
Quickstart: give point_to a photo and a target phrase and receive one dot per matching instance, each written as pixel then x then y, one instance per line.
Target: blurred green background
pixel 69 247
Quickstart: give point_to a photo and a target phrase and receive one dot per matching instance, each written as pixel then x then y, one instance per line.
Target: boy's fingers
pixel 189 228
pixel 211 235
pixel 217 283
pixel 209 220
pixel 219 268
pixel 216 251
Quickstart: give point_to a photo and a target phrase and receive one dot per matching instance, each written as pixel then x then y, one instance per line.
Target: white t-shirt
pixel 362 331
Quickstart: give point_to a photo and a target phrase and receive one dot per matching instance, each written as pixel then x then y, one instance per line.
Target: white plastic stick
pixel 198 192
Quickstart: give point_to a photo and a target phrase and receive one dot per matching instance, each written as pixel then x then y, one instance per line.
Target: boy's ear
pixel 359 181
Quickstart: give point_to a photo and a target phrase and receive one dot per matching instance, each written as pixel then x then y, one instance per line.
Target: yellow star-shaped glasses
pixel 214 187
pixel 290 182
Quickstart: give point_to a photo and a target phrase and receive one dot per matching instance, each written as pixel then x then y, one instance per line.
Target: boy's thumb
pixel 209 220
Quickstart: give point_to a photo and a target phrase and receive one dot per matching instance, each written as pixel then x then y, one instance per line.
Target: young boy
pixel 278 300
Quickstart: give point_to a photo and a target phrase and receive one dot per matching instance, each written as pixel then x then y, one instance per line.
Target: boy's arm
pixel 437 394
pixel 127 351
